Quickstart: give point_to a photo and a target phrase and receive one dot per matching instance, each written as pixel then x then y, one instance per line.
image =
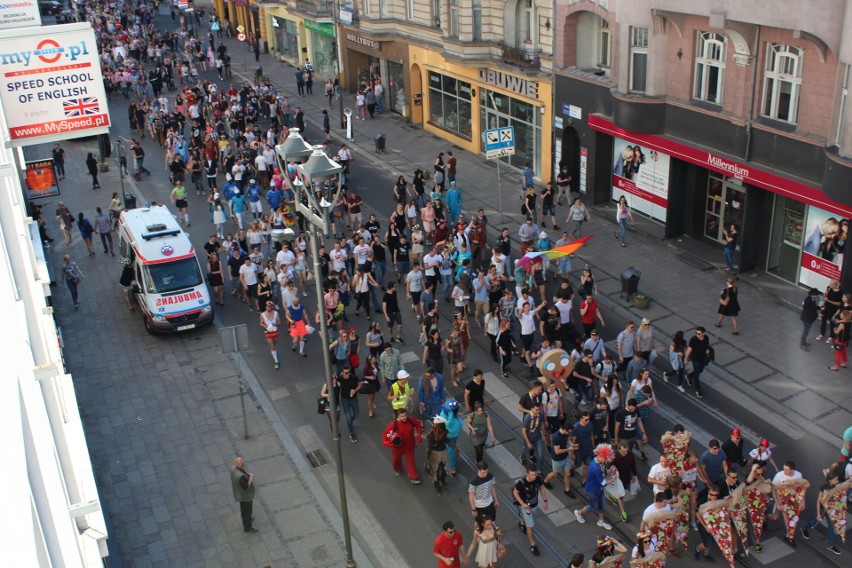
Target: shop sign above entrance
pixel 518 85
pixel 366 42
pixel 320 27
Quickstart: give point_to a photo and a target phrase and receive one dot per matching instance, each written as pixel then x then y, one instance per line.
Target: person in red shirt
pixel 589 312
pixel 399 437
pixel 449 547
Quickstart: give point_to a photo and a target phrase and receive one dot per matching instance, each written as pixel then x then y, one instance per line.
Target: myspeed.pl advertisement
pixel 52 86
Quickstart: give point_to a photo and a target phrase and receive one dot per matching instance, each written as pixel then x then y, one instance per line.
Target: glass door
pixel 785 244
pixel 725 206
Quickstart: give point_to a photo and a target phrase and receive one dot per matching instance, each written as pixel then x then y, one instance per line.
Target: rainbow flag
pixel 555 252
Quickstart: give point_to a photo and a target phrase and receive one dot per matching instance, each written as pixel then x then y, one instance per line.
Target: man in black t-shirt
pixel 697 351
pixel 474 391
pixel 583 380
pixel 390 308
pixel 372 225
pixel 628 424
pixel 526 492
pixel 401 257
pixel 532 399
pixel 212 246
pixel 349 387
pixel 324 261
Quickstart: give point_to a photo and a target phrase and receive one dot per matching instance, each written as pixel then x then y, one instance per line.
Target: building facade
pixel 707 114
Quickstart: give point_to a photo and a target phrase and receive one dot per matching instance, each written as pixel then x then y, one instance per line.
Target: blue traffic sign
pixel 500 138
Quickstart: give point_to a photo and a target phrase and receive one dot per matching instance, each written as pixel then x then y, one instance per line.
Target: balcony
pixel 316 8
pixel 525 58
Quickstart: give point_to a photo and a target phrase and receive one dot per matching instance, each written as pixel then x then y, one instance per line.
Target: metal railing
pixel 526 59
pixel 320 8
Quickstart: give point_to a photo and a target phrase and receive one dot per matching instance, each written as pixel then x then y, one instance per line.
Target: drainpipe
pixel 753 95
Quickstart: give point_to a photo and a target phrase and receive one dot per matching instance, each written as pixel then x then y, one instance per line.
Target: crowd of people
pixel 428 251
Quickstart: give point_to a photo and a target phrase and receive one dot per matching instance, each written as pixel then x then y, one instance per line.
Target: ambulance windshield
pixel 173 276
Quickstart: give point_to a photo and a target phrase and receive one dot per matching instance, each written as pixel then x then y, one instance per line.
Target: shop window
pixel 449 104
pixel 477 20
pixel 453 8
pixel 436 13
pixel 709 67
pixel 638 59
pixel 782 81
pixel 498 110
pixel 786 238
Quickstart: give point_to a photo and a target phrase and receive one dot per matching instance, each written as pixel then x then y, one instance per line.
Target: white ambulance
pixel 170 285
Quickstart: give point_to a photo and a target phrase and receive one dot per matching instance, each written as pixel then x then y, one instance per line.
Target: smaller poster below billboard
pixel 826 236
pixel 642 176
pixel 41 179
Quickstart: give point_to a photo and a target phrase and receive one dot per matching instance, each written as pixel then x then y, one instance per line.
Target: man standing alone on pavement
pixel 242 483
pixel 451 167
pixel 810 313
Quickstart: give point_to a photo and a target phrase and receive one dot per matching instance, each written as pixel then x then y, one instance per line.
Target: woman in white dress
pixel 269 322
pixel 488 535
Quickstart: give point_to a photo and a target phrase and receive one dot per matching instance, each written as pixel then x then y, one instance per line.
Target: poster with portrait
pixel 642 176
pixel 823 248
pixel 41 179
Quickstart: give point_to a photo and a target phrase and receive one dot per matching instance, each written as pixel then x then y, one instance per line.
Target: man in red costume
pixel 399 437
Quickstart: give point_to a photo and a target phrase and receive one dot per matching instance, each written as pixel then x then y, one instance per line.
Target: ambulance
pixel 169 281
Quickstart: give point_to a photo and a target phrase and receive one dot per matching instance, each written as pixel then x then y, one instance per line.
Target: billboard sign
pixel 19 14
pixel 642 176
pixel 824 248
pixel 41 179
pixel 51 84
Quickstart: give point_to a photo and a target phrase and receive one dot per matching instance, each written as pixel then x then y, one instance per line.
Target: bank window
pixel 449 104
pixel 782 81
pixel 709 67
pixel 436 13
pixel 454 18
pixel 638 59
pixel 477 20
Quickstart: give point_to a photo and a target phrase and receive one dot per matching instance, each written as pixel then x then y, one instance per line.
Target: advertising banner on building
pixel 826 236
pixel 642 176
pixel 51 84
pixel 19 14
pixel 41 179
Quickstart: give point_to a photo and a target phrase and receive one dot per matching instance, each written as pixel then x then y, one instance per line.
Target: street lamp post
pixel 316 167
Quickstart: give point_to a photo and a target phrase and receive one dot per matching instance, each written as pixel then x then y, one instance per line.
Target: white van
pixel 170 285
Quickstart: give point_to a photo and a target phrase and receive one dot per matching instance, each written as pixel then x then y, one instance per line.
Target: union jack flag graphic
pixel 81 107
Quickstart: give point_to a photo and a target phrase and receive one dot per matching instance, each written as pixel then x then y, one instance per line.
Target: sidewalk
pixel 163 422
pixel 762 369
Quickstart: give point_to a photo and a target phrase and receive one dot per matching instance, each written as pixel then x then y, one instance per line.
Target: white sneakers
pixel 580 518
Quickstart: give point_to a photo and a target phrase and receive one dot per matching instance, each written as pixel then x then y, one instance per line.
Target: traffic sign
pixel 240 29
pixel 500 142
pixel 215 26
pixel 241 37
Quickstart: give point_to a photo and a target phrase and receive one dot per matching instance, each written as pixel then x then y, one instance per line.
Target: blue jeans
pixel 622 229
pixel 447 285
pixel 729 258
pixel 538 448
pixel 379 106
pixel 351 410
pixel 832 536
pixel 73 288
pixel 380 268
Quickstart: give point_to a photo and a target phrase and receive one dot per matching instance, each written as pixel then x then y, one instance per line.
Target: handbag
pixel 635 487
pixel 369 386
pixel 501 551
pixel 354 360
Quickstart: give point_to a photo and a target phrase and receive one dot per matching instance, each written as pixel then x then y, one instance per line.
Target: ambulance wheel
pixel 147 325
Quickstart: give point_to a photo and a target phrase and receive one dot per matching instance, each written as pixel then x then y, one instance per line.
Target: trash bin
pixel 380 142
pixel 129 201
pixel 630 282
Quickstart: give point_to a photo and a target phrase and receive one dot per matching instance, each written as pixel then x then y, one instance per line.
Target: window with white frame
pixel 365 5
pixel 436 13
pixel 638 59
pixel 604 39
pixel 525 19
pixel 409 9
pixel 709 67
pixel 383 8
pixel 453 9
pixel 782 82
pixel 477 20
